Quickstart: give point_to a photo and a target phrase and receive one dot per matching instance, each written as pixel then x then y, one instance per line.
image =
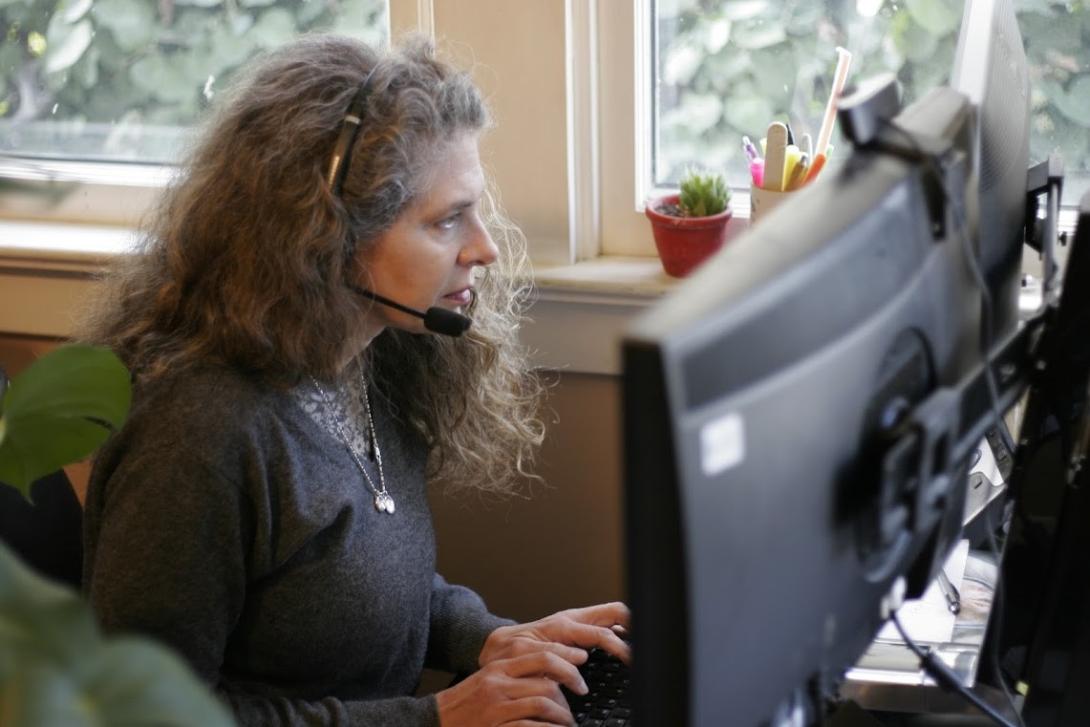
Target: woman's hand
pixel 567 634
pixel 524 690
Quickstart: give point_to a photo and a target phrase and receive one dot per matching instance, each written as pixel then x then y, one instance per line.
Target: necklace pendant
pixel 384 503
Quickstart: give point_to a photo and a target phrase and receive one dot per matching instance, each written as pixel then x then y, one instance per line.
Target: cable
pixel 987 306
pixel 987 315
pixel 998 597
pixel 945 677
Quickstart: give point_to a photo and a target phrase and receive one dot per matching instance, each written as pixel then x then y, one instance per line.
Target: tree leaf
pixel 1074 103
pixel 759 35
pixel 774 72
pixel 72 10
pixel 58 411
pixel 744 9
pixel 702 111
pixel 1042 7
pixel 360 19
pixel 131 22
pixel 680 64
pixel 226 50
pixel 1057 34
pixel 716 35
pixel 274 27
pixel 162 79
pixel 935 15
pixel 748 115
pixel 200 3
pixel 86 70
pixel 66 43
pixel 308 11
pixel 912 40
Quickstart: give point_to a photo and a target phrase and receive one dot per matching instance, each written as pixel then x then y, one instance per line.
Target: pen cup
pixel 763 201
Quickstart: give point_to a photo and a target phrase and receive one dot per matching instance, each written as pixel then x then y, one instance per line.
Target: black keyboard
pixel 607 703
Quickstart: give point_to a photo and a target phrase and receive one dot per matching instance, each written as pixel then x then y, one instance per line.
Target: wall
pixel 562 547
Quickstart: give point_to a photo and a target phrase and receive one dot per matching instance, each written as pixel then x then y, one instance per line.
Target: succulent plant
pixel 703 195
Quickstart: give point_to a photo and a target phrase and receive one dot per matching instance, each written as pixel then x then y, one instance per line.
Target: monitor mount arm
pixel 1042 226
pixel 866 116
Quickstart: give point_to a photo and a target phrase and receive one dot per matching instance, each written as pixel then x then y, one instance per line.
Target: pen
pixel 949 592
pixel 751 151
pixel 797 176
pixel 790 134
pixel 815 168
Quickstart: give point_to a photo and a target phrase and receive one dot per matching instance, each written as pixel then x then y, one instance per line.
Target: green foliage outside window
pixel 725 68
pixel 124 78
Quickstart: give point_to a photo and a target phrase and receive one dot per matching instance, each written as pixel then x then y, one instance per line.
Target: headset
pixel 436 319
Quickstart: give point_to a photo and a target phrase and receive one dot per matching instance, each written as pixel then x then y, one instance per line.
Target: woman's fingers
pixel 536 687
pixel 603 614
pixel 572 654
pixel 588 636
pixel 535 710
pixel 547 664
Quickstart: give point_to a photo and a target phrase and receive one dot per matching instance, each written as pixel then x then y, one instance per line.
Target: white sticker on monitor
pixel 722 443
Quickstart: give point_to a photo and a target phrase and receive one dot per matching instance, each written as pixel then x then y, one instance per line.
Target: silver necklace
pixel 383 501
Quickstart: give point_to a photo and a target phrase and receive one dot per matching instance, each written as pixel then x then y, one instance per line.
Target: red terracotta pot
pixel 685 242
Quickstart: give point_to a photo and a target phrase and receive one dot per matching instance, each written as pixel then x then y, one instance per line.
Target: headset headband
pixel 350 129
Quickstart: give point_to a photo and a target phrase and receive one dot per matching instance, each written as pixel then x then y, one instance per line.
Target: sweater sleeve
pixel 261 711
pixel 170 562
pixel 460 623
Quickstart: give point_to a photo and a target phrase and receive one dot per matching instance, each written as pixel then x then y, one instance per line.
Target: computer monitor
pixel 1049 568
pixel 990 69
pixel 798 419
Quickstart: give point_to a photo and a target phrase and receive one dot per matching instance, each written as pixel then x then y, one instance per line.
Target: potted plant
pixel 691 226
pixel 56 668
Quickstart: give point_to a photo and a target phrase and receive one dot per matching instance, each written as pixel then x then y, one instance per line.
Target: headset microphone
pixel 436 319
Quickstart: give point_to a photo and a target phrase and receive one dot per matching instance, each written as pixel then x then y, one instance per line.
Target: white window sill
pixel 577 316
pixel 579 312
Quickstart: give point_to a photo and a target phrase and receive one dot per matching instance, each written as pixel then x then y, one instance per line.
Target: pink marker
pixel 757 172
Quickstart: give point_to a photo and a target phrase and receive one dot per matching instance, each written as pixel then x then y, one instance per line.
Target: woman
pixel 263 509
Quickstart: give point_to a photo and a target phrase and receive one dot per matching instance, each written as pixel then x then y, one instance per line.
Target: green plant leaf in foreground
pixel 59 410
pixel 55 668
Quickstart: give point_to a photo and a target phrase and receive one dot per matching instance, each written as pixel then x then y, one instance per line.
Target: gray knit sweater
pixel 223 521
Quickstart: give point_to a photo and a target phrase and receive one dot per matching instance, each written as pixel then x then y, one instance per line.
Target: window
pixel 124 79
pixel 724 69
pixel 518 59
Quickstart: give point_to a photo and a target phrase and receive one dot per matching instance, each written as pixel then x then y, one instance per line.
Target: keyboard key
pixel 607 703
